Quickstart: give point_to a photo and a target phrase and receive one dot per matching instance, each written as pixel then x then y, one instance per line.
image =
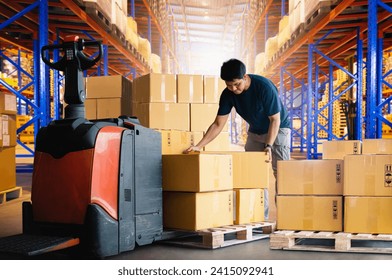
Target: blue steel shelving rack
pixel 375 78
pixel 39 103
pixel 312 111
pixel 306 92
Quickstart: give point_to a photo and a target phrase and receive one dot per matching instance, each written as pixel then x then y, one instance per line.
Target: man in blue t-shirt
pixel 256 100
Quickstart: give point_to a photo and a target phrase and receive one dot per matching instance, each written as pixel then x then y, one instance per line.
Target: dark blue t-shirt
pixel 255 104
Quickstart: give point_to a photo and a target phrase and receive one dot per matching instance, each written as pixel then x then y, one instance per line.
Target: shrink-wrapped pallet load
pixel 271 47
pixel 284 31
pixel 131 32
pixel 156 63
pixel 260 63
pixel 144 49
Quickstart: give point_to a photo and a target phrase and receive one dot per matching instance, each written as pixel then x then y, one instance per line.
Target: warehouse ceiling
pixel 207 32
pixel 201 34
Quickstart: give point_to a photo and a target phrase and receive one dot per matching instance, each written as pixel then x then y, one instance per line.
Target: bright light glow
pixel 206 58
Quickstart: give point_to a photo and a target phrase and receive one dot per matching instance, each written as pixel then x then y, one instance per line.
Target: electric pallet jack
pixel 95 184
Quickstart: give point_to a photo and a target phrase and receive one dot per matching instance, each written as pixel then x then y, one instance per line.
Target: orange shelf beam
pixel 95 26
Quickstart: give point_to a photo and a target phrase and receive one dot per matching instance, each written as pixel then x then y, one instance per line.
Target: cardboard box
pixel 368 215
pixel 111 108
pixel 368 175
pixel 155 87
pixel 112 95
pixel 249 206
pixel 7 168
pixel 189 88
pixel 377 146
pixel 8 130
pixel 220 143
pixel 310 177
pixel 196 211
pixel 250 169
pixel 90 106
pixel 202 116
pixel 163 115
pixel 7 103
pixel 109 87
pixel 175 141
pixel 213 87
pixel 196 136
pixel 316 213
pixel 197 172
pixel 339 149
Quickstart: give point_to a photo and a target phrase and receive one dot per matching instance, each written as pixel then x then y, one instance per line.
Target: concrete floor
pixel 11 223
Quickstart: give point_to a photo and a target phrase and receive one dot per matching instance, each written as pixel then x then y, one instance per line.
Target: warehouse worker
pixel 256 100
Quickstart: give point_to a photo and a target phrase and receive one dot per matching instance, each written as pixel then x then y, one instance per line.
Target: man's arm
pixel 212 132
pixel 273 131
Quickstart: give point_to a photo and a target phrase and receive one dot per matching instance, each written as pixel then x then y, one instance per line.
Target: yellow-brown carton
pixel 339 149
pixel 196 211
pixel 368 215
pixel 197 172
pixel 249 206
pixel 316 213
pixel 310 177
pixel 368 175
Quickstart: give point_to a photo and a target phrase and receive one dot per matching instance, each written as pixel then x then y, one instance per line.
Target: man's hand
pixel 191 149
pixel 268 151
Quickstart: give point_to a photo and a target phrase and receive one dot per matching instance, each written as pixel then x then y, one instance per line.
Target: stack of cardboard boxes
pixel 7 141
pixel 198 191
pixel 209 189
pixel 108 97
pixel 310 195
pixel 368 188
pixel 250 178
pixel 181 107
pixel 349 190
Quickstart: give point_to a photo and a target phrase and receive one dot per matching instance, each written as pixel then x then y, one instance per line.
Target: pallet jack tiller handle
pixel 73 63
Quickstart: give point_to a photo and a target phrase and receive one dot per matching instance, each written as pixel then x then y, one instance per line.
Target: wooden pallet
pixel 220 237
pixel 100 16
pixel 320 12
pixel 118 35
pixel 331 242
pixel 9 194
pixel 298 33
pixel 131 48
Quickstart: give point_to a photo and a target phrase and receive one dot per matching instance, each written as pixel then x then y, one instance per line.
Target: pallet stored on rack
pixel 220 237
pixel 331 242
pixel 322 9
pixel 99 15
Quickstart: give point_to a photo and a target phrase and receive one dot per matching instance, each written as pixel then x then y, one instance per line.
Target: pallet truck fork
pixel 96 184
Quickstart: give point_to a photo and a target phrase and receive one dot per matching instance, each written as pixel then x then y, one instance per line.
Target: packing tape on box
pixel 252 203
pixel 308 213
pixel 163 88
pixel 191 88
pixel 308 183
pixel 235 198
pixel 375 211
pixel 216 87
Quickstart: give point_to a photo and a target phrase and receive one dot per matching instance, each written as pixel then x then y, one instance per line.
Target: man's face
pixel 237 85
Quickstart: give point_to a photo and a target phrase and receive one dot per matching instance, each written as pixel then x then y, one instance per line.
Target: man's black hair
pixel 232 69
